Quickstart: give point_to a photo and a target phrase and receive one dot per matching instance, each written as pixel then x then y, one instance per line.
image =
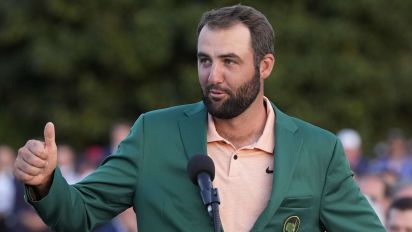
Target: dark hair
pixel 402 204
pixel 261 30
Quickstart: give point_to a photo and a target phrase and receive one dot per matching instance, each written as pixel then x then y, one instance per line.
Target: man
pixel 352 145
pixel 274 172
pixel 397 158
pixel 400 215
pixel 8 188
pixel 377 191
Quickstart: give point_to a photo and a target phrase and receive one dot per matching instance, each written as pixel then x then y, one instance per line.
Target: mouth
pixel 216 94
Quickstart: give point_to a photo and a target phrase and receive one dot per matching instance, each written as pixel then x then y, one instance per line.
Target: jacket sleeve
pixel 343 206
pixel 100 196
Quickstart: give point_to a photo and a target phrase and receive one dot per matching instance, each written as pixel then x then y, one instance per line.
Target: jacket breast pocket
pixel 295 214
pixel 297 202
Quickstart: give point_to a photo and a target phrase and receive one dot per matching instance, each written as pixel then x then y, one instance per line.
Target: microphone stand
pixel 213 210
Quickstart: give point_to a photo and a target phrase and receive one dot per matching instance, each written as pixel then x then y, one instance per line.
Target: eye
pixel 229 61
pixel 204 61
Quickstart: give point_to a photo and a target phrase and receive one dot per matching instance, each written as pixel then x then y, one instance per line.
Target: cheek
pixel 203 75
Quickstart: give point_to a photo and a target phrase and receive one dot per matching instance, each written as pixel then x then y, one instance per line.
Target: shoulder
pixel 314 132
pixel 315 139
pixel 173 113
pixel 169 116
pixel 304 129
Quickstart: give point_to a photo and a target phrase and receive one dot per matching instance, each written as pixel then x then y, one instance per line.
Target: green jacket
pixel 313 188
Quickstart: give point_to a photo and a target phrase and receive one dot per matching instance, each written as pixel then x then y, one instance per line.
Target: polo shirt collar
pixel 266 141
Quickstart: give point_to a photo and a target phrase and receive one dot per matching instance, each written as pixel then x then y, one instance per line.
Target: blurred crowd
pixel 384 177
pixel 17 216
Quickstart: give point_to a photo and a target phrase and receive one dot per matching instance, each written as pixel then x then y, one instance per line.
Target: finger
pixel 28 169
pixel 49 135
pixel 32 159
pixel 22 176
pixel 23 166
pixel 34 147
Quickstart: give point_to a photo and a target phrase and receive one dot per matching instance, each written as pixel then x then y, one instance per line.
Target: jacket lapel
pixel 193 129
pixel 287 151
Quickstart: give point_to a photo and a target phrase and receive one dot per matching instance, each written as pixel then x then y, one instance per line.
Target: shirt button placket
pixel 233 165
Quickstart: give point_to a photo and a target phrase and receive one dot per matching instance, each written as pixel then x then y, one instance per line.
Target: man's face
pixel 373 187
pixel 226 69
pixel 399 221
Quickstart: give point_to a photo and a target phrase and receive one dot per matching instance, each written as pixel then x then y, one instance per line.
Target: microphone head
pixel 198 164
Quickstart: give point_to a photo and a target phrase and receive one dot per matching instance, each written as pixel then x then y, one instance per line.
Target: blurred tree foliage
pixel 85 64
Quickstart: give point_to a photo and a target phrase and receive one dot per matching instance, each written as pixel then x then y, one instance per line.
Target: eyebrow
pixel 202 54
pixel 228 55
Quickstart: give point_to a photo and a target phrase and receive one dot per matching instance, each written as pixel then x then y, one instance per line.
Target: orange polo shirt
pixel 241 174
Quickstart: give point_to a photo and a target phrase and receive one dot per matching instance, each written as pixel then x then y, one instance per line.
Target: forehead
pixel 235 39
pixel 372 185
pixel 402 219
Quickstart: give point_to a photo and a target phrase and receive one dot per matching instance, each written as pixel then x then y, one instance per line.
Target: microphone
pixel 201 171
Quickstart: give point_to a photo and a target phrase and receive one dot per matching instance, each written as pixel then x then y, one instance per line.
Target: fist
pixel 36 160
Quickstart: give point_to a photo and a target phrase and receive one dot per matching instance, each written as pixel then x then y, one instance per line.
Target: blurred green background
pixel 86 64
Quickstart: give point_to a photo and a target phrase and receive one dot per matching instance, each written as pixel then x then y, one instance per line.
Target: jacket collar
pixel 193 130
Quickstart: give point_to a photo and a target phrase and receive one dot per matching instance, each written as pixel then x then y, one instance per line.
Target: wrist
pixel 38 192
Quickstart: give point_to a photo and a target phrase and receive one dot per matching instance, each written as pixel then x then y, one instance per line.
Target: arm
pixel 100 196
pixel 343 206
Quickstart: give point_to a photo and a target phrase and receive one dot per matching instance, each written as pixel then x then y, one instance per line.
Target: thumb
pixel 49 136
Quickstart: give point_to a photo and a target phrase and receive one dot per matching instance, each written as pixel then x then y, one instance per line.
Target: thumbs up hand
pixel 37 160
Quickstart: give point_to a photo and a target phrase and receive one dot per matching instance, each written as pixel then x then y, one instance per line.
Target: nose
pixel 215 74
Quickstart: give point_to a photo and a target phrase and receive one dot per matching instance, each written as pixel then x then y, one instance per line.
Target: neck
pixel 246 128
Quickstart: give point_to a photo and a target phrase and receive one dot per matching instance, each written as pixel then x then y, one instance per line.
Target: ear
pixel 266 65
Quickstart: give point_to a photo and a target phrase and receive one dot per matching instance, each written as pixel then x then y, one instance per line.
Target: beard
pixel 237 102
